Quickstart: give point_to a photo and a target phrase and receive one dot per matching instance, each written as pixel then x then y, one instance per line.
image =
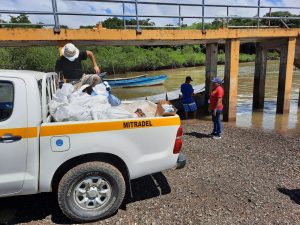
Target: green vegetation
pixel 21 19
pixel 115 59
pixel 218 23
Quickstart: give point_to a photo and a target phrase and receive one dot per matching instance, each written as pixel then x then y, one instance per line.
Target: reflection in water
pixel 282 123
pixel 265 118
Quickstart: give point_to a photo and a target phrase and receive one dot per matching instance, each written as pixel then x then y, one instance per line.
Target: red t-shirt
pixel 214 96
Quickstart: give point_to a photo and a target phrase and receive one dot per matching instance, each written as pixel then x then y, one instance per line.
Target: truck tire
pixel 91 191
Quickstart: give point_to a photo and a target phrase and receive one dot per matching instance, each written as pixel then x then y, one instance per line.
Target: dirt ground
pixel 248 177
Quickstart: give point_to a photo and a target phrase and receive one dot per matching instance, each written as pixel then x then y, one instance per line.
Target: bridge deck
pixel 101 36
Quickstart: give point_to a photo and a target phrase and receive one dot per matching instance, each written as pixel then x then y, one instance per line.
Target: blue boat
pixel 138 81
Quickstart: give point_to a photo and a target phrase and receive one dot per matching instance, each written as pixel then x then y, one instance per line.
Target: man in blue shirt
pixel 189 103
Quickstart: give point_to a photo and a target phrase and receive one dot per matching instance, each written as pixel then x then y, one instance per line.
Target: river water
pixel 266 118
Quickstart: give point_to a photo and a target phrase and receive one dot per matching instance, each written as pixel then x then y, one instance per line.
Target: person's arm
pixel 192 91
pixel 193 94
pixel 92 58
pixel 219 102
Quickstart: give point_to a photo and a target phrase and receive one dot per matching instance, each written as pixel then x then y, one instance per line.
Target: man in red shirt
pixel 216 106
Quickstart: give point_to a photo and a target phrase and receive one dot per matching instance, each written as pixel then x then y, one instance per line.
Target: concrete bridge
pixel 286 40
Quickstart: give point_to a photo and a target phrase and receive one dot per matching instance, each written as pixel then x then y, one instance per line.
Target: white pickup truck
pixel 89 164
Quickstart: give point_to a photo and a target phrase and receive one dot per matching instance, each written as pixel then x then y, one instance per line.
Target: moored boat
pixel 138 81
pixel 175 97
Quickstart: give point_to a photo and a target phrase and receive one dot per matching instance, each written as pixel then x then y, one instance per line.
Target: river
pixel 266 118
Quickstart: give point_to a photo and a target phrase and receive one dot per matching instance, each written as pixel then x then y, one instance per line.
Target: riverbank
pixel 116 59
pixel 248 177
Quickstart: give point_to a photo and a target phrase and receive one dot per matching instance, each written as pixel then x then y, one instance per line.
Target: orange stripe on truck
pixel 50 130
pixel 30 132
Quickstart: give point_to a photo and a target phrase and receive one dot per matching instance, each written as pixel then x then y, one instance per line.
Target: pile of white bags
pixel 70 105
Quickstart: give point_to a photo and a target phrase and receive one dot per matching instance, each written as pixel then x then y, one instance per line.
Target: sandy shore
pixel 248 177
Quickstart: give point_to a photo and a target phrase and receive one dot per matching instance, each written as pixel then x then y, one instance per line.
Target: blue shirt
pixel 187 91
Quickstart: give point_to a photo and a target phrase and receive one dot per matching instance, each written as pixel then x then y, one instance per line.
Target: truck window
pixel 6 100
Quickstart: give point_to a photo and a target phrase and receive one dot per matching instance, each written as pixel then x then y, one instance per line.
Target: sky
pixel 116 8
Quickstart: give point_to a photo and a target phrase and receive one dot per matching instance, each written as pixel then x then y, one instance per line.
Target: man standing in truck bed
pixel 71 66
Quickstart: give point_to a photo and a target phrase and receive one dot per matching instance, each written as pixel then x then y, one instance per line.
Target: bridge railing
pixel 138 15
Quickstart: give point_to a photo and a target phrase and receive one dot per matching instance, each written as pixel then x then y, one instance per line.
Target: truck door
pixel 13 134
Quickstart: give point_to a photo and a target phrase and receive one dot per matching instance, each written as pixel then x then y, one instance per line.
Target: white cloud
pixel 115 8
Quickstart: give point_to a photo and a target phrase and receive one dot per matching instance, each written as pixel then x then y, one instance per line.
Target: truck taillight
pixel 178 141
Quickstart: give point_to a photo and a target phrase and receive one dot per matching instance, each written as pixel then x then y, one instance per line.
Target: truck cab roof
pixel 22 74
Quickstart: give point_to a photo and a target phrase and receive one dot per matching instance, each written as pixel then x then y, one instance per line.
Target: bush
pixel 115 59
pixel 247 58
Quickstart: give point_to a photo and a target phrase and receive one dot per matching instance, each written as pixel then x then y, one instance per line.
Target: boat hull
pixel 139 81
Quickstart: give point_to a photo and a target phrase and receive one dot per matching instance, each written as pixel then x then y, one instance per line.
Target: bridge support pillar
pixel 232 52
pixel 299 99
pixel 259 77
pixel 287 54
pixel 210 67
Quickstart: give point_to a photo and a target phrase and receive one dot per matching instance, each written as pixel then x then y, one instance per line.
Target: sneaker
pixel 216 137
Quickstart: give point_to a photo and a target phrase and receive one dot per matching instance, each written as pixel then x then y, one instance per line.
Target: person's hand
pixel 215 113
pixel 96 69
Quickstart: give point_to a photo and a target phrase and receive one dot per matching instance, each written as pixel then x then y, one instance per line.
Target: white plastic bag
pixel 60 97
pixel 72 113
pixel 98 100
pixel 67 89
pixel 99 112
pixel 54 105
pixel 100 89
pixel 82 100
pixel 63 94
pixel 119 113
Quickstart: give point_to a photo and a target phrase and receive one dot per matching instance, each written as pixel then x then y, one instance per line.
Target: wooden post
pixel 232 52
pixel 298 119
pixel 211 64
pixel 299 98
pixel 287 54
pixel 259 77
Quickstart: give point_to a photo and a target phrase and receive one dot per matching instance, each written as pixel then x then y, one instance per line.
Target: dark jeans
pixel 217 122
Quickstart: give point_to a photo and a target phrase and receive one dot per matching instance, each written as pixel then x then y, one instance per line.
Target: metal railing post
pixel 138 29
pixel 270 16
pixel 227 15
pixel 203 2
pixel 258 13
pixel 56 20
pixel 179 8
pixel 124 21
pixel 284 23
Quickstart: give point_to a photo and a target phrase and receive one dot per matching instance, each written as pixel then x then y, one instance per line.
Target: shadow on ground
pixel 294 194
pixel 198 135
pixel 23 209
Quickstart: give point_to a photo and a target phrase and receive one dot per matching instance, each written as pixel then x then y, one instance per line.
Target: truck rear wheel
pixel 91 191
